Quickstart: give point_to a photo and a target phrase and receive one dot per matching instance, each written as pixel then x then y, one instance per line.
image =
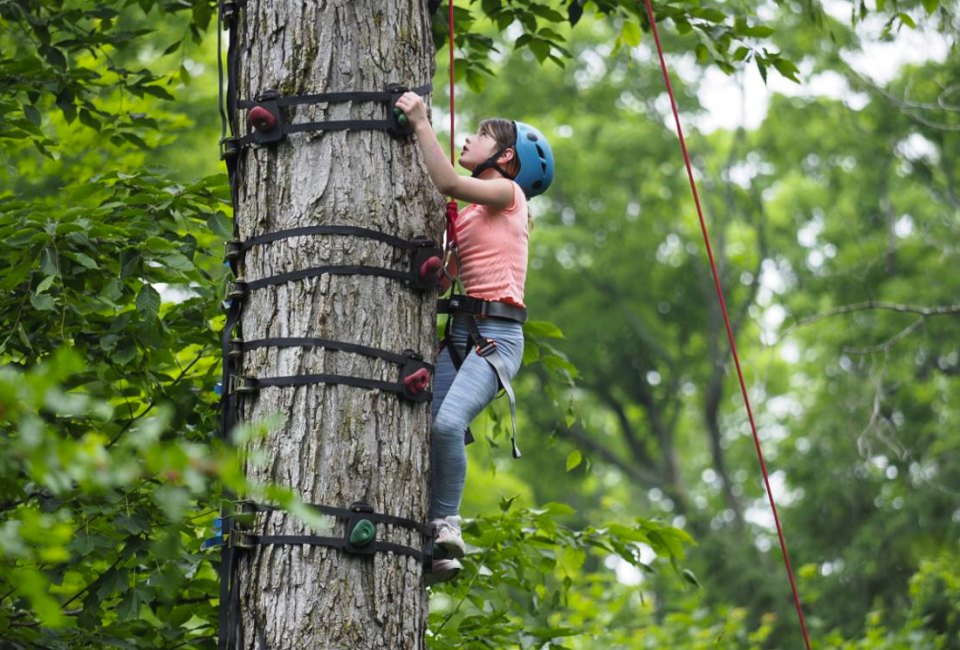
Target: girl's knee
pixel 446 427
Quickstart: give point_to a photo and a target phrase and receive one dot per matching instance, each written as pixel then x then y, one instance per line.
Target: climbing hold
pixel 261 119
pixel 430 268
pixel 402 119
pixel 425 263
pixel 417 382
pixel 363 533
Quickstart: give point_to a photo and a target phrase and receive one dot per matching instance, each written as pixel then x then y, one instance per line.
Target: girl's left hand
pixel 413 107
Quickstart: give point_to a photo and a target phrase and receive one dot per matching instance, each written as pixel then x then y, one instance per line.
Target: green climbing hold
pixel 401 117
pixel 363 533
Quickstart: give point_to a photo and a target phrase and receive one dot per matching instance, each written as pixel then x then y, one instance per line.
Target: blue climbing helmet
pixel 536 160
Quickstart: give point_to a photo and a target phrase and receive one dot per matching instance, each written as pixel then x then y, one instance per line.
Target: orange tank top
pixel 493 250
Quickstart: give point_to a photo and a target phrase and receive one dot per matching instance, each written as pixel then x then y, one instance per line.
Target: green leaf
pixel 173 47
pixel 148 302
pixel 43 302
pixel 703 54
pixel 45 283
pixel 689 576
pixel 555 508
pixel 542 329
pixel 787 69
pixel 53 56
pixel 156 91
pixel 631 33
pixel 710 15
pixel 178 262
pixel 87 119
pixel 85 260
pixel 758 31
pixel 129 607
pixel 66 102
pixel 50 261
pixel 35 587
pixel 574 458
pixel 32 114
pixel 129 262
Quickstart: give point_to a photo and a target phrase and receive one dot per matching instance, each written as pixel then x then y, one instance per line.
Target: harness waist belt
pixel 480 307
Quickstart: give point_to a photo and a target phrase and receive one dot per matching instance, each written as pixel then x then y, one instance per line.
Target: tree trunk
pixel 335 444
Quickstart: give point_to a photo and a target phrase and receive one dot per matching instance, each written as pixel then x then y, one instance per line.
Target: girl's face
pixel 477 149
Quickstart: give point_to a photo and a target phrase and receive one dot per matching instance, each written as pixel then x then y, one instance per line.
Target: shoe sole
pixel 451 550
pixel 435 577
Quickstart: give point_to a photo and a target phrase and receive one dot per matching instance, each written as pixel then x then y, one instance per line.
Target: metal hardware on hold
pixel 238 290
pixel 243 385
pixel 233 250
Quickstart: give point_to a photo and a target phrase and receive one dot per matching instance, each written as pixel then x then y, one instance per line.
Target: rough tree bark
pixel 336 444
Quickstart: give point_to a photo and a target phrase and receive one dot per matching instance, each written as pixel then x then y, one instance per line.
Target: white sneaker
pixel 442 571
pixel 448 536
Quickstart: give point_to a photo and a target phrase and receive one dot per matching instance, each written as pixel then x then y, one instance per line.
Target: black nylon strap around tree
pixel 329 344
pixel 346 513
pixel 341 97
pixel 333 542
pixel 345 380
pixel 316 271
pixel 309 231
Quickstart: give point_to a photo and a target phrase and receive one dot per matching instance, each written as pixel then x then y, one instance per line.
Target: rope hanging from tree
pixel 452 208
pixel 726 320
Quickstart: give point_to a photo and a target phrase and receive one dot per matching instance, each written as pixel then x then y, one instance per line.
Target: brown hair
pixel 505 134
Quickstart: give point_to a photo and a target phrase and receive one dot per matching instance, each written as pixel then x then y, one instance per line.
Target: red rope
pixel 452 208
pixel 726 321
pixel 453 151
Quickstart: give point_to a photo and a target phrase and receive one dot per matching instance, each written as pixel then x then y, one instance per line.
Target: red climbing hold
pixel 261 119
pixel 430 268
pixel 417 382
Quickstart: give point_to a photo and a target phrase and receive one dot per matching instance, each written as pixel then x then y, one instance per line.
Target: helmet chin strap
pixel 491 163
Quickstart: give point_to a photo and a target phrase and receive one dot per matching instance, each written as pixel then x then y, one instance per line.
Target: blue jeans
pixel 458 397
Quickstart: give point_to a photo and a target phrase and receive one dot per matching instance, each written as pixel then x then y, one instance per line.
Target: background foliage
pixel 834 221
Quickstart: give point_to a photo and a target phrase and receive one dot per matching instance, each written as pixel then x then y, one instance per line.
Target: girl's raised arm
pixel 496 192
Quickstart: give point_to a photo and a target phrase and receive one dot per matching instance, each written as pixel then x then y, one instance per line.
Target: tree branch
pixel 888 344
pixel 944 310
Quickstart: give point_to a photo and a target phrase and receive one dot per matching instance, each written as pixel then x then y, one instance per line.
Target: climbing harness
pixel 651 18
pixel 470 308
